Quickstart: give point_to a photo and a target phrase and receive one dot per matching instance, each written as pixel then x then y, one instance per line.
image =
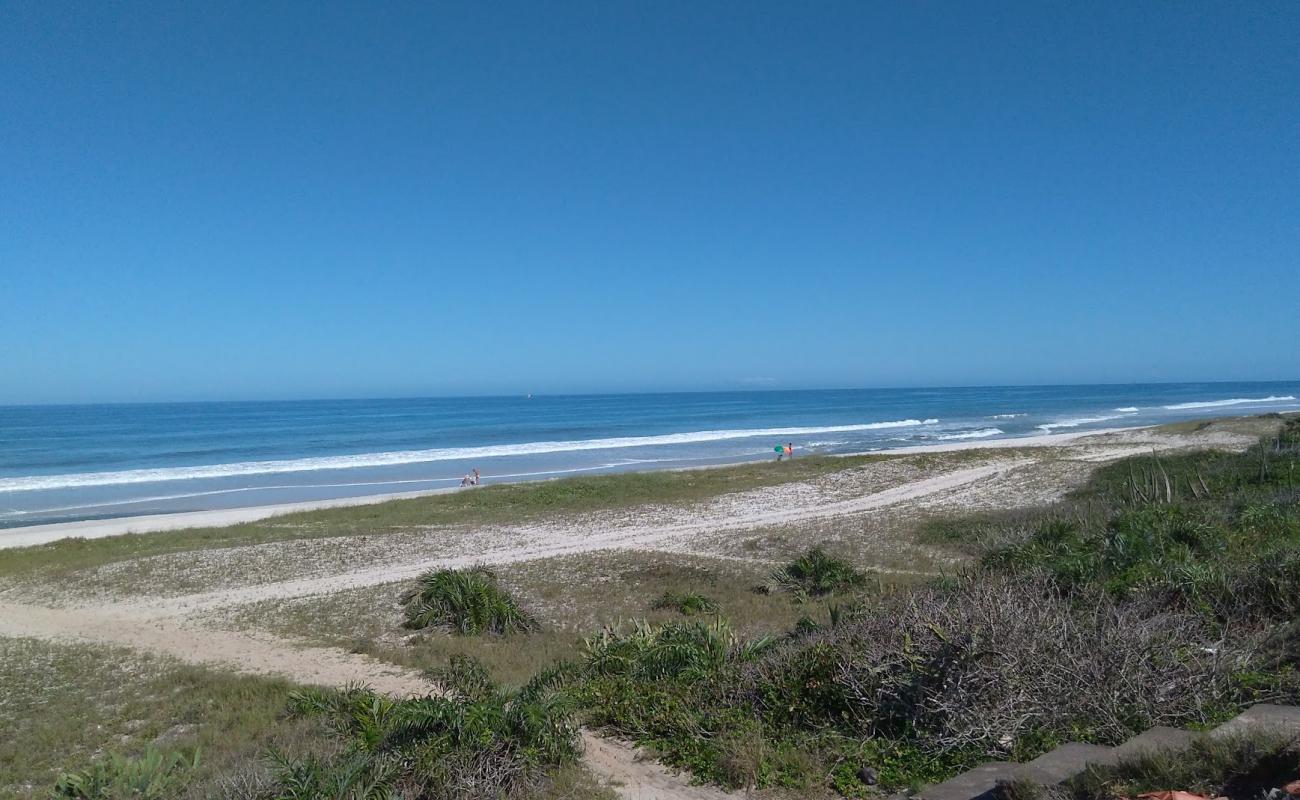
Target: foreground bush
pixel 816 573
pixel 468 602
pixel 993 661
pixel 478 741
pixel 1216 533
pixel 153 776
pixel 1165 592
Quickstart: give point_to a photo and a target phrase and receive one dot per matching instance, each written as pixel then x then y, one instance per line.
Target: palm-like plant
pixel 152 776
pixel 468 602
pixel 676 649
pixel 687 603
pixel 475 741
pixel 816 573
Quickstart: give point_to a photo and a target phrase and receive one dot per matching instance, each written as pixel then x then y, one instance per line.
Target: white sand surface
pixel 151 523
pixel 94 529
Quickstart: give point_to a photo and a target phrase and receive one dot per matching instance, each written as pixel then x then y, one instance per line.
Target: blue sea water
pixel 62 463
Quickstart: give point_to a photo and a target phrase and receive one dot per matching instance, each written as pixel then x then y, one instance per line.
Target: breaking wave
pixel 1074 423
pixel 400 457
pixel 979 434
pixel 1237 401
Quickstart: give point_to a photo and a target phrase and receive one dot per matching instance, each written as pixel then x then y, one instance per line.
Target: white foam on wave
pixel 1236 401
pixel 1074 423
pixel 979 434
pixel 402 457
pixel 1006 416
pixel 15 512
pixel 1127 410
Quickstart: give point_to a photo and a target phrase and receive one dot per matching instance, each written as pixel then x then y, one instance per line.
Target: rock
pixel 868 776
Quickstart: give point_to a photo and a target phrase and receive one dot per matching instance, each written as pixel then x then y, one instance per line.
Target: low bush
pixel 155 775
pixel 687 603
pixel 816 573
pixel 468 602
pixel 478 741
pixel 993 661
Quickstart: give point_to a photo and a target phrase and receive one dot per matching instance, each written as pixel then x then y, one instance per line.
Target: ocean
pixel 61 463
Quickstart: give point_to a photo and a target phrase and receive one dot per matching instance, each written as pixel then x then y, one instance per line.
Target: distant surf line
pixel 15 512
pixel 1236 401
pixel 403 457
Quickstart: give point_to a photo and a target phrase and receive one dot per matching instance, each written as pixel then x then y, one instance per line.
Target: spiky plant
pixel 687 603
pixel 675 649
pixel 465 601
pixel 816 573
pixel 476 741
pixel 155 775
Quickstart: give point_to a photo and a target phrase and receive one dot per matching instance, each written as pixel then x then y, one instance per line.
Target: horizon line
pixel 530 395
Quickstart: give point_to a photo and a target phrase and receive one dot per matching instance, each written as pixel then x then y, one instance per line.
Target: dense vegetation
pixel 154 775
pixel 476 741
pixel 1163 593
pixel 465 601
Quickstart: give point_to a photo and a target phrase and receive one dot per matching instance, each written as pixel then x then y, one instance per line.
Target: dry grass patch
pixel 65 705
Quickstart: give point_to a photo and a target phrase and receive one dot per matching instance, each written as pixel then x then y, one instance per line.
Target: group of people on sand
pixel 785 451
pixel 470 479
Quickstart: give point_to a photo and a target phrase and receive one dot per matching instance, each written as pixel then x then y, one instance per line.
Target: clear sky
pixel 223 200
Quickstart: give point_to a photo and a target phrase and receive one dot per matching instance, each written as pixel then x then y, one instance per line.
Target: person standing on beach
pixel 780 452
pixel 789 450
pixel 476 478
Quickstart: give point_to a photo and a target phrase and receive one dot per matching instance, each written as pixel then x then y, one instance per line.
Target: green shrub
pixel 687 603
pixel 675 649
pixel 477 741
pixel 816 573
pixel 468 602
pixel 152 776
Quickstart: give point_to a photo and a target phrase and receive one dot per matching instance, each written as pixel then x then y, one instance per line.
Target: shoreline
pixel 30 535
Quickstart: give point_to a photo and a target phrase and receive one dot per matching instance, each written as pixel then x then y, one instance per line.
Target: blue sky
pixel 216 200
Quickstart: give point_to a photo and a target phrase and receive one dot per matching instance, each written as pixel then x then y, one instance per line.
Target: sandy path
pixel 618 764
pixel 548 545
pixel 255 654
pixel 636 778
pixel 152 625
pixel 24 536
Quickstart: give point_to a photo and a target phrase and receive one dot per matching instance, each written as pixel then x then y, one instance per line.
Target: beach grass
pixel 571 596
pixel 505 503
pixel 66 704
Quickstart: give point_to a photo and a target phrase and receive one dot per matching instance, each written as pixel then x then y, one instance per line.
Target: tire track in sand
pixel 632 537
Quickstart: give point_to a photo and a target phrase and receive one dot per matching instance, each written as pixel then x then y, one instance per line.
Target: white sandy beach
pixel 152 523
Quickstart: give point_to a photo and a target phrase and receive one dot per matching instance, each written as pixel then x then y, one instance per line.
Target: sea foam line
pixel 1074 423
pixel 979 434
pixel 401 457
pixel 1236 401
pixel 16 512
